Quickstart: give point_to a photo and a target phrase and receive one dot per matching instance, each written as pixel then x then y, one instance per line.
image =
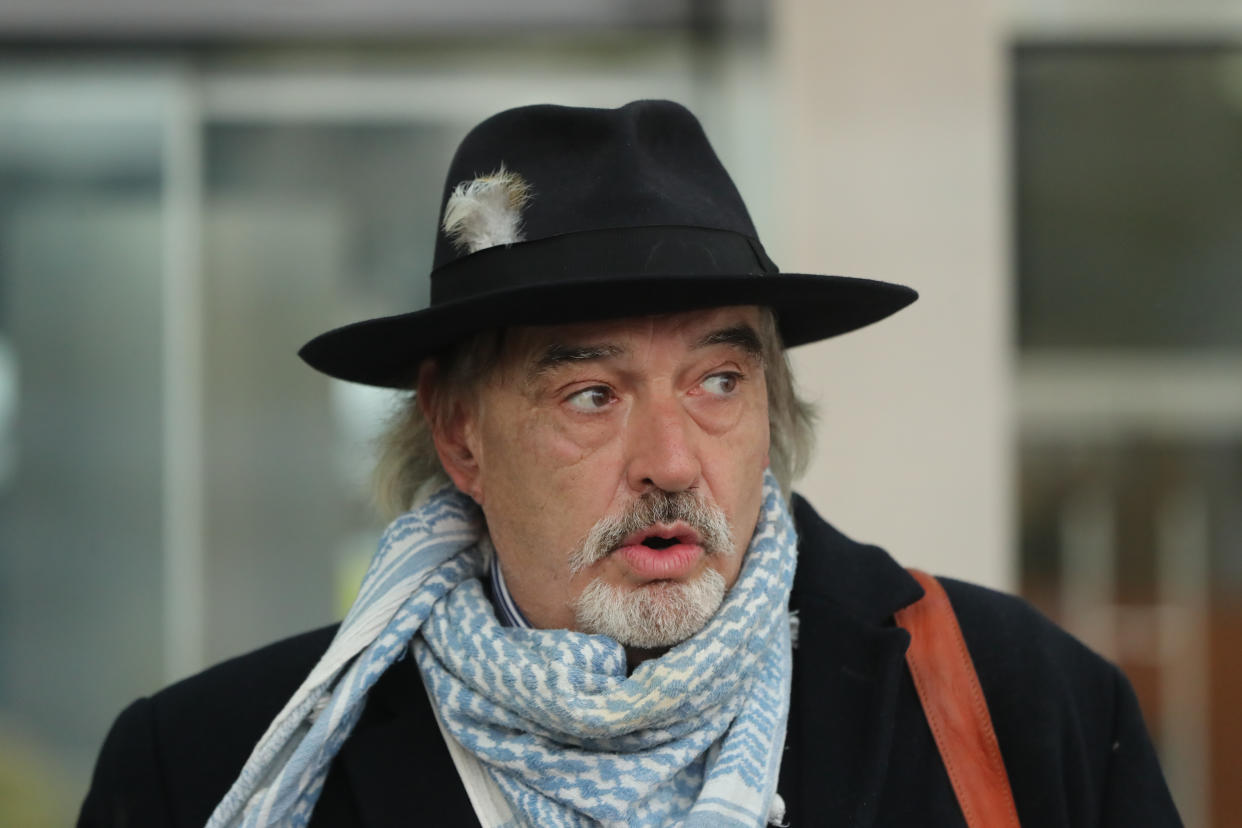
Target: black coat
pixel 858 753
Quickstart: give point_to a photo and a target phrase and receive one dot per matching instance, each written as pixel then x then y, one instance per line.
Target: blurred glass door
pixel 1129 238
pixel 83 192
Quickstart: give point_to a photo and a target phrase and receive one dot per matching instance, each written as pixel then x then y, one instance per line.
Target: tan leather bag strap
pixel 955 708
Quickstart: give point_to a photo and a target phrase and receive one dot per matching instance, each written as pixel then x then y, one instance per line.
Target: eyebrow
pixel 740 336
pixel 558 354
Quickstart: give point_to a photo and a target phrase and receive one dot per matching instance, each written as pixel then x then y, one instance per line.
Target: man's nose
pixel 662 443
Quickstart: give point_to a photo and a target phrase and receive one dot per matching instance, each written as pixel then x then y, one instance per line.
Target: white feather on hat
pixel 486 212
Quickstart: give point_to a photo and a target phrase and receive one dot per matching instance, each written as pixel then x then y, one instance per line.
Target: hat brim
pixel 386 351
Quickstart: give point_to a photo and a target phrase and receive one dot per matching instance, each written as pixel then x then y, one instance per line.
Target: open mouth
pixel 661 536
pixel 662 552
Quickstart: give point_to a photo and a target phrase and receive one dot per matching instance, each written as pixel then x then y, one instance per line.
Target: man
pixel 596 583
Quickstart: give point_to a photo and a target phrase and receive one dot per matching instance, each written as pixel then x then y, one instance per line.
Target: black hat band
pixel 601 254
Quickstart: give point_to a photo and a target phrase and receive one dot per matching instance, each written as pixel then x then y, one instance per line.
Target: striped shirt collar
pixel 507 611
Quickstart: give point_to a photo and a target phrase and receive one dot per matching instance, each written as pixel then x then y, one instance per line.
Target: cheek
pixel 533 463
pixel 735 470
pixel 559 450
pixel 745 441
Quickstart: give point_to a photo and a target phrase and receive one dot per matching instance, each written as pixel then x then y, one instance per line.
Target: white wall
pixel 890 145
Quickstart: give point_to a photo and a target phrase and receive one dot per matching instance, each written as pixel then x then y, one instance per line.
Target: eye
pixel 591 400
pixel 723 384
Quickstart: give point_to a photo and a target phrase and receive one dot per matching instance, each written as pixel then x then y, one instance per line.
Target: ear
pixel 453 431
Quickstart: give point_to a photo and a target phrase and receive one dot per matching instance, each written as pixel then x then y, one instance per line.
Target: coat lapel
pixel 396 762
pixel 847 673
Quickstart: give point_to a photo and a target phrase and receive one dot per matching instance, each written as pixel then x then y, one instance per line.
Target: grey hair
pixel 409 469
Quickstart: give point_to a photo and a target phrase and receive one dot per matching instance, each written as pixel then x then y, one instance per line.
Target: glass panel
pixel 305 225
pixel 80 409
pixel 1136 547
pixel 1129 197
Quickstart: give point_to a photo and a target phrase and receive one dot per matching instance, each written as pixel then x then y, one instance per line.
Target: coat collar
pixel 848 671
pixel 859 580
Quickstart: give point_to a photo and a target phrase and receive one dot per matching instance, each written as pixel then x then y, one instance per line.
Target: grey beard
pixel 663 613
pixel 651 616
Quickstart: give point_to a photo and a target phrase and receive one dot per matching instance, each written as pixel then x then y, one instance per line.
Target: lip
pixel 670 563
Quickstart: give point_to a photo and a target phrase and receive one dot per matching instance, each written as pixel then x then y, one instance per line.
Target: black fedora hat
pixel 554 214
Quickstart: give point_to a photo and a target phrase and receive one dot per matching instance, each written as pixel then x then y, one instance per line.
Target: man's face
pixel 625 456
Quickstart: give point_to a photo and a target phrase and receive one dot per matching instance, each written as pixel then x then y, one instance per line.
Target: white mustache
pixel 655 506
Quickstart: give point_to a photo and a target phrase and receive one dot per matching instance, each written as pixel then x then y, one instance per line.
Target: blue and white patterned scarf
pixel 691 738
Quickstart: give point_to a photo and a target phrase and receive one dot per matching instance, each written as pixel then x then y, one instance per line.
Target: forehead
pixel 685 329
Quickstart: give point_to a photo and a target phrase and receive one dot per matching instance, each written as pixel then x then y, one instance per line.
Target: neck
pixel 635 656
